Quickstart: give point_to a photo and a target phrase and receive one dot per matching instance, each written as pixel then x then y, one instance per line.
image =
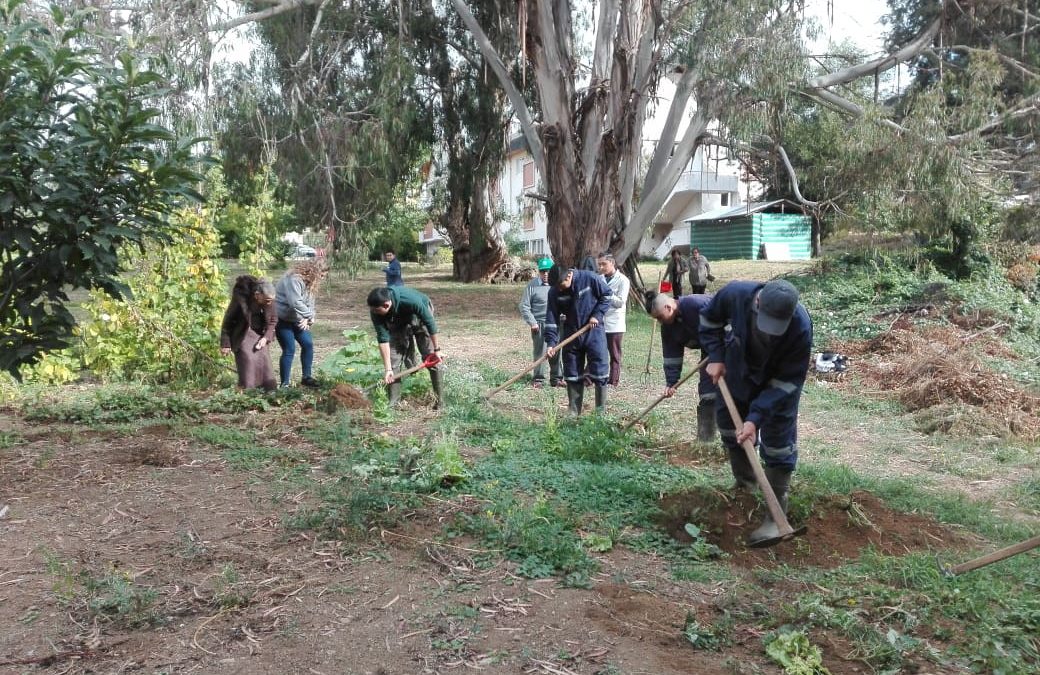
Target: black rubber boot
pixel 601 398
pixel 780 481
pixel 743 474
pixel 706 428
pixel 575 397
pixel 394 393
pixel 435 382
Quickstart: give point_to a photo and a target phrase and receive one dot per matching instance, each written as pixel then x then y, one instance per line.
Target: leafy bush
pixel 87 170
pixel 359 363
pixel 169 330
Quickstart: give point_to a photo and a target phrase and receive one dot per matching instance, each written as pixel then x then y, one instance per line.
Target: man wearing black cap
pixel 576 298
pixel 764 359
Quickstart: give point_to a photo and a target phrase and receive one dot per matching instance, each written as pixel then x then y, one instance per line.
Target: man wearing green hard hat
pixel 532 310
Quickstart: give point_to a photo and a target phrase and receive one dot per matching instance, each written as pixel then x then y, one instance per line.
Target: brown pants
pixel 614 349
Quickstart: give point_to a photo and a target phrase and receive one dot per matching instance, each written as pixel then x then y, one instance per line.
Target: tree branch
pixel 516 98
pixel 905 53
pixel 282 8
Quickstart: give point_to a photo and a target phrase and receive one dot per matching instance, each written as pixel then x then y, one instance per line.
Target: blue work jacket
pixel 683 333
pixel 587 297
pixel 774 387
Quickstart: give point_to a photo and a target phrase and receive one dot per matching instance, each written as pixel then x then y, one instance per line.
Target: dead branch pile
pixel 513 271
pixel 939 376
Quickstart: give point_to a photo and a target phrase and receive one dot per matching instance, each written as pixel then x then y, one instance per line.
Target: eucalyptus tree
pixel 596 71
pixel 472 120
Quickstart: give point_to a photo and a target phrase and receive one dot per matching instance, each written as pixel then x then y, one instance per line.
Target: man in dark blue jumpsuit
pixel 577 297
pixel 680 330
pixel 764 357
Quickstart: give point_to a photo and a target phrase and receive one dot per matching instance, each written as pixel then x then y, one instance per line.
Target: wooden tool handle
pixel 996 556
pixel 772 503
pixel 574 336
pixel 662 397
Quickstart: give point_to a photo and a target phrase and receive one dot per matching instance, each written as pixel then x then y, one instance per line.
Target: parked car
pixel 302 252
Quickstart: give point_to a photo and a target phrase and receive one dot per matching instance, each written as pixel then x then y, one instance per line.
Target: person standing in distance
pixel 614 319
pixel 700 272
pixel 532 310
pixel 392 269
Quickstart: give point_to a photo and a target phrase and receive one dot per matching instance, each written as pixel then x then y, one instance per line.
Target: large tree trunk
pixel 477 249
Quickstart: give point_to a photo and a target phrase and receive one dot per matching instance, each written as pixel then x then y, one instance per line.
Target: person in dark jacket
pixel 680 330
pixel 393 270
pixel 764 358
pixel 402 317
pixel 675 271
pixel 248 329
pixel 576 298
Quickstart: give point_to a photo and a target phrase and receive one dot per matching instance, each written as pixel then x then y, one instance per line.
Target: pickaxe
pixel 429 361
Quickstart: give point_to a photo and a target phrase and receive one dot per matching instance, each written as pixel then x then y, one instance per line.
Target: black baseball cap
pixel 777 302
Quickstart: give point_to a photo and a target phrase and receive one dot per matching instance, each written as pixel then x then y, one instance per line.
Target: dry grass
pixel 938 373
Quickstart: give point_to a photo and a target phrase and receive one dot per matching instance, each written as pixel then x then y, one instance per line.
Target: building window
pixel 528 220
pixel 536 247
pixel 528 174
pixel 725 199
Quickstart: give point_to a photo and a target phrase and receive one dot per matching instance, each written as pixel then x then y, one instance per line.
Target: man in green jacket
pixel 400 315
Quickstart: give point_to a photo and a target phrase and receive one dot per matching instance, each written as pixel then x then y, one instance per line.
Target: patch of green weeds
pixel 543 540
pixel 1027 494
pixel 711 637
pixel 242 451
pixel 229 590
pixel 116 597
pixel 112 404
pixel 112 596
pixel 9 439
pixel 795 654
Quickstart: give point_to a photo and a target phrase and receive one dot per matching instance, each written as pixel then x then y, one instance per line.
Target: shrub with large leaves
pixel 84 170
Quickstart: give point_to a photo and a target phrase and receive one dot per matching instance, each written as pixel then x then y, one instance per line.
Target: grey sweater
pixel 534 302
pixel 292 299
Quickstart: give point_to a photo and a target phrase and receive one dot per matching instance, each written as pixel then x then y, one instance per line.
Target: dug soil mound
pixel 840 528
pixel 346 396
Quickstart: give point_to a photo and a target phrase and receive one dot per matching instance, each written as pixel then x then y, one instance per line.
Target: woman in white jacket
pixel 614 319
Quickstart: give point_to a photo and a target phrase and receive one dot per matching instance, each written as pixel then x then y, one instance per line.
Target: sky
pixel 855 20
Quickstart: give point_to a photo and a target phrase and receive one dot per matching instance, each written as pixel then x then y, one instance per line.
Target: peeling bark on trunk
pixel 477 249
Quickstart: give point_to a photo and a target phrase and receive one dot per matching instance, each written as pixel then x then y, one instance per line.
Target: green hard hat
pixel 545 264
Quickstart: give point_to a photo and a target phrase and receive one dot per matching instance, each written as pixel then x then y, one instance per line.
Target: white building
pixel 706 184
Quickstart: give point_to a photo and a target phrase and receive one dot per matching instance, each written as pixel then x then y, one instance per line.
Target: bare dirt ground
pixel 239 592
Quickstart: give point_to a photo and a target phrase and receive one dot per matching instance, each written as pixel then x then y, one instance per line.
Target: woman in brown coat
pixel 248 329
